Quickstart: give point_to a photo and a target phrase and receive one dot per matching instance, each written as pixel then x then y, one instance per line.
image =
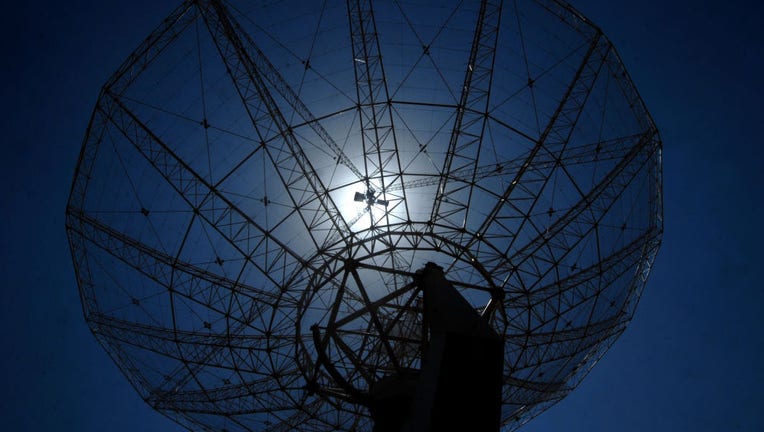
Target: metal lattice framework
pixel 260 181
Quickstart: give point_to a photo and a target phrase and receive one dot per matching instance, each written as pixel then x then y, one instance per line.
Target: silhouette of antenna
pixel 356 216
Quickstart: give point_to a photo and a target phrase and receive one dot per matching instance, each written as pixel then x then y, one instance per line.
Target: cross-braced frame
pixel 260 182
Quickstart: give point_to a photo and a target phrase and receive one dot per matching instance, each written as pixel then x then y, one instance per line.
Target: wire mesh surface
pixel 260 181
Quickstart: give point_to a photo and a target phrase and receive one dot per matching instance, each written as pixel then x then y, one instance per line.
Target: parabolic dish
pixel 259 175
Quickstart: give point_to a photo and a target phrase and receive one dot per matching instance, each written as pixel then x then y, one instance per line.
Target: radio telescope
pixel 322 215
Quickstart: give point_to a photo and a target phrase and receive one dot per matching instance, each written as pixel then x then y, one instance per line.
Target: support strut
pixel 459 385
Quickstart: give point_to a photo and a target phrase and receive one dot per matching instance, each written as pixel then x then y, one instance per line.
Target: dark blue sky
pixel 692 359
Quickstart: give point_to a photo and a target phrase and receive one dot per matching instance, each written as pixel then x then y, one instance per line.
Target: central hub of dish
pixel 360 319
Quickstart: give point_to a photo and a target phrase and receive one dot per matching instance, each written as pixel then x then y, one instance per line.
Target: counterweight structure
pixel 261 181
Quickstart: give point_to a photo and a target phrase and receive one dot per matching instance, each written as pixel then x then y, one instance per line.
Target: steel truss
pixel 259 184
